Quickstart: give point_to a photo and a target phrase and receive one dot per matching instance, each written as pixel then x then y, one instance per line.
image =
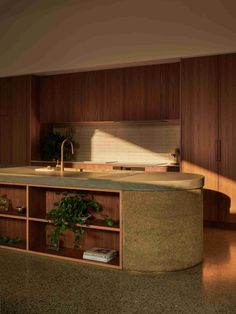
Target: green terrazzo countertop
pixel 114 180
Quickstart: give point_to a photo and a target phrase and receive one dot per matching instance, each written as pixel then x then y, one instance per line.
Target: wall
pixel 44 36
pixel 126 142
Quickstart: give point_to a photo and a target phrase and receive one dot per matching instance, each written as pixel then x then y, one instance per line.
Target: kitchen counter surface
pixel 116 180
pixel 114 165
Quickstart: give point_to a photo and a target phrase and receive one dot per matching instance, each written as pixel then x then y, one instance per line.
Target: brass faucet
pixel 176 155
pixel 62 153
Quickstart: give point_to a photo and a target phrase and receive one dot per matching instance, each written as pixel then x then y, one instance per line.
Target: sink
pixel 45 169
pixel 50 169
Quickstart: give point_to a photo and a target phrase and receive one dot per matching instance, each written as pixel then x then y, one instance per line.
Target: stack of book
pixel 100 254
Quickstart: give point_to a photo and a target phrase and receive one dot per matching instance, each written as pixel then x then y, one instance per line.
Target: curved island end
pixel 161 214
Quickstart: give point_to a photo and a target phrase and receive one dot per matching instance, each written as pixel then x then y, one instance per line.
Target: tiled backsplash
pixel 133 142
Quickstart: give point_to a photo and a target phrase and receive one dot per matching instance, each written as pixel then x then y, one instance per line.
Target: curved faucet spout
pixel 62 153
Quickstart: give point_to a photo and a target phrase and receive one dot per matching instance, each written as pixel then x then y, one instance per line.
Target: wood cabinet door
pixel 227 126
pixel 57 98
pixel 199 100
pixel 15 98
pixel 170 91
pixel 5 144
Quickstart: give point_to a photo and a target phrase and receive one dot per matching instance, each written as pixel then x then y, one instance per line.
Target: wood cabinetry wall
pixel 30 104
pixel 135 93
pixel 208 130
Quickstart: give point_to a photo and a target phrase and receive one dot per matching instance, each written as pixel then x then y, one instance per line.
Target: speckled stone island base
pixel 163 231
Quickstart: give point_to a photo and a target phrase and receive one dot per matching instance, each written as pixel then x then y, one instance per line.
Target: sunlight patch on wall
pixel 127 142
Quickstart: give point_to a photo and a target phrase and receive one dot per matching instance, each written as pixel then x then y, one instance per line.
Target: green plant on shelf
pixel 109 221
pixel 8 240
pixel 74 208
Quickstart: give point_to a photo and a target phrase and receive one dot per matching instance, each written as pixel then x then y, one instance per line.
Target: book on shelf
pixel 100 254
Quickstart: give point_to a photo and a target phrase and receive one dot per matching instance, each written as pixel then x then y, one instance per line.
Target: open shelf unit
pixel 34 228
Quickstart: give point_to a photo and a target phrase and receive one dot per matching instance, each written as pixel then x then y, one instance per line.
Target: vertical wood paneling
pixel 5 145
pixel 20 107
pixel 34 120
pixel 152 92
pixel 15 104
pixel 111 95
pixel 94 95
pixel 199 88
pixel 170 91
pixel 133 100
pixel 75 109
pixel 227 135
pixel 113 108
pixel 5 95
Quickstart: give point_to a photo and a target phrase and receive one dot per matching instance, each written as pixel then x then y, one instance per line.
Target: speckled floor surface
pixel 31 284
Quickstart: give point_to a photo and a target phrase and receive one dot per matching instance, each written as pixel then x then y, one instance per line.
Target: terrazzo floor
pixel 32 284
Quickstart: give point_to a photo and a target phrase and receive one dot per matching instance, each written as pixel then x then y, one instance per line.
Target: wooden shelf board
pixel 12 214
pixel 95 224
pixel 100 225
pixel 38 219
pixel 74 255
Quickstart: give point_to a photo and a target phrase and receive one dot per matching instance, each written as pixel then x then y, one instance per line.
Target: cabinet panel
pixel 5 144
pixel 152 92
pixel 15 106
pixel 113 106
pixel 170 91
pixel 5 92
pixel 199 93
pixel 94 95
pixel 20 108
pixel 227 114
pixel 56 101
pixel 135 93
pixel 133 101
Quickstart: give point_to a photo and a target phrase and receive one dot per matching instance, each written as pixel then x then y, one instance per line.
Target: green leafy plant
pixel 51 145
pixel 109 221
pixel 8 240
pixel 74 208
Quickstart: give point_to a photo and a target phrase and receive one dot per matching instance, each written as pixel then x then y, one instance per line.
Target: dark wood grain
pixel 34 119
pixel 15 106
pixel 199 89
pixel 132 93
pixel 227 135
pixel 170 91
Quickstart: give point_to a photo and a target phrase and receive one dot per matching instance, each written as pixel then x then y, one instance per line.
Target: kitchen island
pixel 158 216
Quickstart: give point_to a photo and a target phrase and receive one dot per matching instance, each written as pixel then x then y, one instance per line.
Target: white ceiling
pixel 47 35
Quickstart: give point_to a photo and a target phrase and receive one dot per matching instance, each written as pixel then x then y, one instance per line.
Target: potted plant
pixel 74 208
pixel 51 145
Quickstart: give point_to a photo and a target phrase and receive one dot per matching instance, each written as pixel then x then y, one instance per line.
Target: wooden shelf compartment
pixel 98 224
pixel 16 194
pixel 13 228
pixel 39 241
pixel 42 200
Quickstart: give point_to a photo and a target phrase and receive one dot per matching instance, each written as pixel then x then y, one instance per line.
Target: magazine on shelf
pixel 100 254
pixel 98 259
